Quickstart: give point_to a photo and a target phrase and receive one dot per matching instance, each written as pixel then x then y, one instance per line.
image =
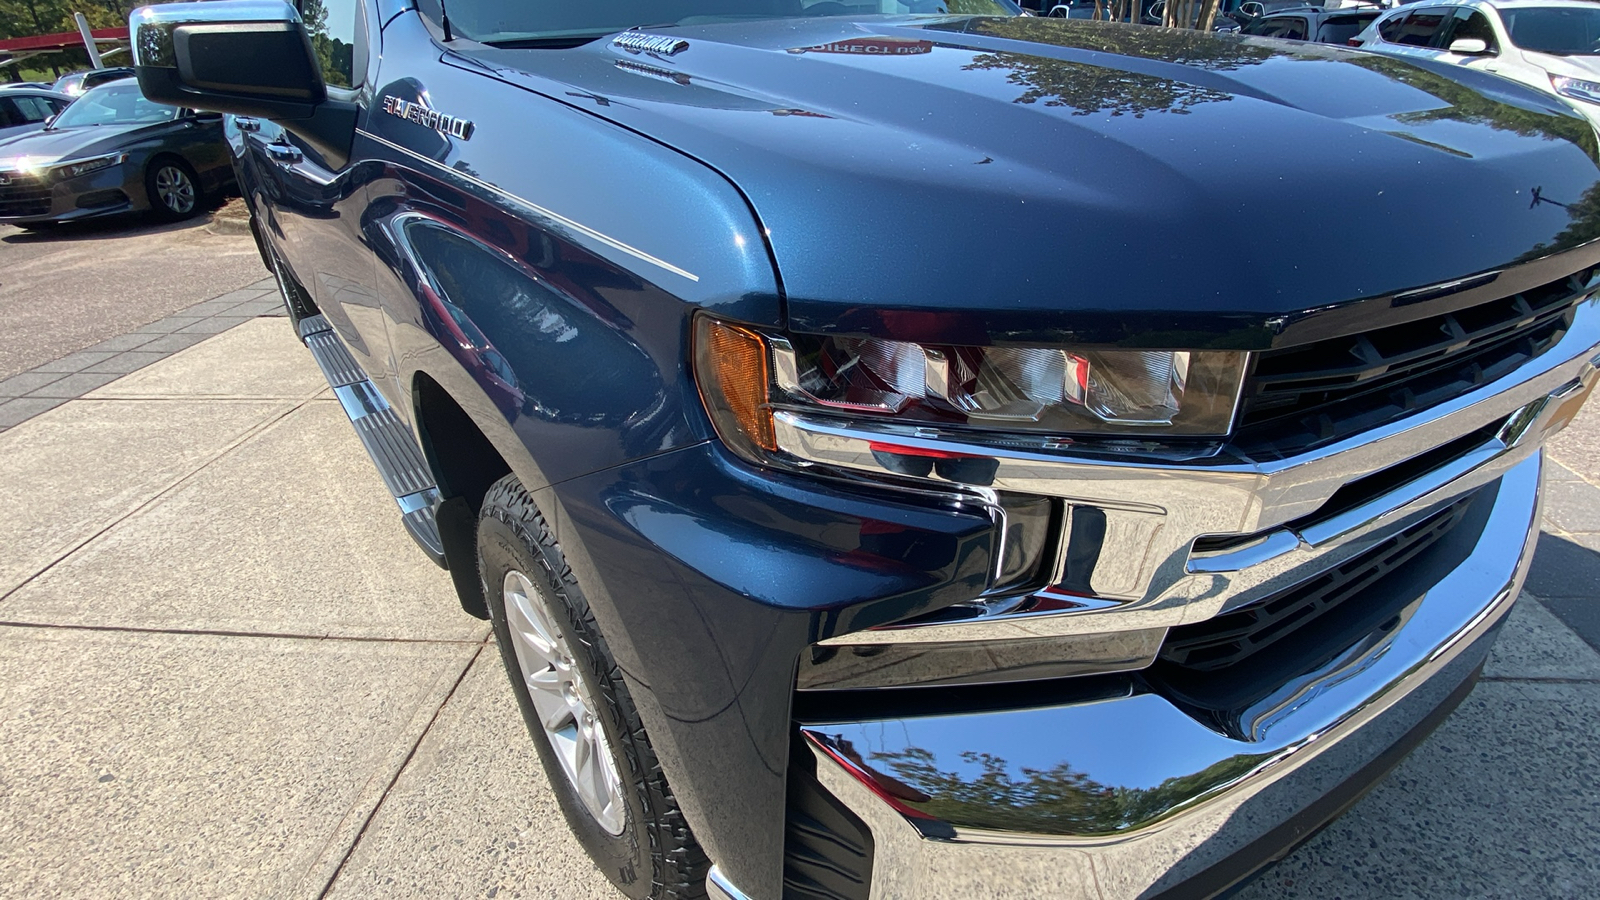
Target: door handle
pixel 246 123
pixel 287 154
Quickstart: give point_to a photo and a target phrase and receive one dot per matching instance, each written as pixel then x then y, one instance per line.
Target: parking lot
pixel 226 672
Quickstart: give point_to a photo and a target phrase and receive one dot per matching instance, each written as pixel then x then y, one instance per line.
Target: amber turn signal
pixel 731 369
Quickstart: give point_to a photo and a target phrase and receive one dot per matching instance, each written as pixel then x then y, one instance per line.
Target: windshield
pixel 534 21
pixel 1562 30
pixel 118 103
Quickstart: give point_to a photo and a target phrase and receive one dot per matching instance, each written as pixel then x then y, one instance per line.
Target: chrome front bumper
pixel 1126 795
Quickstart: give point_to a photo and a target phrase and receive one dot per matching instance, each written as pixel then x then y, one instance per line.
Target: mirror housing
pixel 246 57
pixel 1470 47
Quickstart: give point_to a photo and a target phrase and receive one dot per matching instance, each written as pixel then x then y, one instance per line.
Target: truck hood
pixel 986 180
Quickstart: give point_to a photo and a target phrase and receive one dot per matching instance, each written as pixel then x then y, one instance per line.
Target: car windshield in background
pixel 114 104
pixel 563 22
pixel 1561 30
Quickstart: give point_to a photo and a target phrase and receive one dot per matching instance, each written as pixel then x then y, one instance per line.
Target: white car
pixel 1553 45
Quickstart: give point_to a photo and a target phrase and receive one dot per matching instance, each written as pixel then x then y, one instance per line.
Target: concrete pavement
pixel 226 672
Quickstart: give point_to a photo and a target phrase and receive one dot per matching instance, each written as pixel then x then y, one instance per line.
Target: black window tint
pixel 1289 28
pixel 1421 27
pixel 1471 23
pixel 333 25
pixel 9 115
pixel 1340 29
pixel 1555 29
pixel 33 109
pixel 1390 29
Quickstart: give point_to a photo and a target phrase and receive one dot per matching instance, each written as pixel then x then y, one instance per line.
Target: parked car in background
pixel 112 151
pixel 1313 23
pixel 1151 12
pixel 26 109
pixel 1552 45
pixel 76 83
pixel 17 85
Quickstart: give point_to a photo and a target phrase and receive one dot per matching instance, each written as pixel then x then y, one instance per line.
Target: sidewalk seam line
pixel 156 497
pixel 217 632
pixel 400 770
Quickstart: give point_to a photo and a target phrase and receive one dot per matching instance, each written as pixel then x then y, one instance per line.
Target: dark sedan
pixel 113 151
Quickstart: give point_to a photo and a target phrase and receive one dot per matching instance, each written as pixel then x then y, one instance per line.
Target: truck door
pixel 323 199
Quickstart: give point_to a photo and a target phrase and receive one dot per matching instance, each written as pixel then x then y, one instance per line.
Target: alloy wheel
pixel 564 704
pixel 175 189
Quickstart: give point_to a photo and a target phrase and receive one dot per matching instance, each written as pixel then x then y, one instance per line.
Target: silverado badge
pixel 420 114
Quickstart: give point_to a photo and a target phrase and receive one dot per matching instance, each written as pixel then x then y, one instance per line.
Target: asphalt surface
pixel 72 286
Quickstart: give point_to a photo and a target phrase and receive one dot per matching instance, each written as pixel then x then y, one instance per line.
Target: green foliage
pixel 26 18
pixel 1087 89
pixel 1058 800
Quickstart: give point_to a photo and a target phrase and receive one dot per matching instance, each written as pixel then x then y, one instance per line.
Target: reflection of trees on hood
pixel 1464 104
pixel 1089 89
pixel 1057 800
pixel 1183 46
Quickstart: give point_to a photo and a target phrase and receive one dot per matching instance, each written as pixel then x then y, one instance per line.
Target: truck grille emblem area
pixel 420 114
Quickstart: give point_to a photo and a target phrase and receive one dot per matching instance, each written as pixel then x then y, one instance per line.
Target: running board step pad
pixel 387 438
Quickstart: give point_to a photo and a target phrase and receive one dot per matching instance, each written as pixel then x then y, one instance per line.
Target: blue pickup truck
pixel 877 486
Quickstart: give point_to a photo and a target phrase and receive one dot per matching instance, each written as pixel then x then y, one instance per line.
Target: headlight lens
pixel 1576 89
pixel 85 166
pixel 745 376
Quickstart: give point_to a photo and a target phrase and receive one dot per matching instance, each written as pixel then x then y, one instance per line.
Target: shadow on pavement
pixel 1566 576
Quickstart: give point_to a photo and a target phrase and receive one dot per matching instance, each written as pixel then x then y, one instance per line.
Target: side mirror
pixel 246 57
pixel 50 119
pixel 1470 47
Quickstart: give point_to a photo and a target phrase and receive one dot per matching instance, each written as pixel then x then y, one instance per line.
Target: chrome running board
pixel 385 435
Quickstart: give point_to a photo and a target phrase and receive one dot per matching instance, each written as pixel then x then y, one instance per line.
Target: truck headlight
pixel 744 376
pixel 85 166
pixel 1576 89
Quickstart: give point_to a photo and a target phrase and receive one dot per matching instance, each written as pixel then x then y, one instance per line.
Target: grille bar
pixel 1300 397
pixel 1235 636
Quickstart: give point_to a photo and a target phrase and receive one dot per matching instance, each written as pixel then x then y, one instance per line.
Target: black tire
pixel 655 856
pixel 179 202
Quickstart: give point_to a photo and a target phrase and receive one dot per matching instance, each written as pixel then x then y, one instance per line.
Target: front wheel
pixel 578 709
pixel 174 193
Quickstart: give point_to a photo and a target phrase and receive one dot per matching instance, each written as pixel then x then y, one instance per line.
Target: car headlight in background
pixel 1576 89
pixel 85 166
pixel 745 376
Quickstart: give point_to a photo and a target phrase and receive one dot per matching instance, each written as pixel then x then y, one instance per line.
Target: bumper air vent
pixel 827 853
pixel 1233 637
pixel 1298 398
pixel 25 195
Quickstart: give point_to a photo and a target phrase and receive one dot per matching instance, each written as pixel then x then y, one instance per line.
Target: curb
pixel 228 225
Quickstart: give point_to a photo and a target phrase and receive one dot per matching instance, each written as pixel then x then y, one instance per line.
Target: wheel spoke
pixel 559 719
pixel 547 680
